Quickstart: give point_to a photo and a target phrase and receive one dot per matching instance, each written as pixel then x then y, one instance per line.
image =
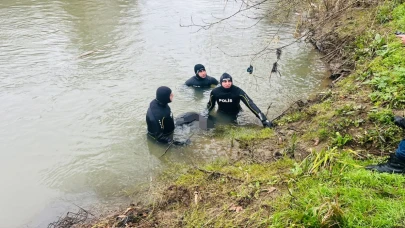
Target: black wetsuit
pixel 197 81
pixel 159 119
pixel 229 100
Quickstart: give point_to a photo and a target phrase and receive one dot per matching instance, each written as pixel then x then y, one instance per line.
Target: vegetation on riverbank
pixel 309 170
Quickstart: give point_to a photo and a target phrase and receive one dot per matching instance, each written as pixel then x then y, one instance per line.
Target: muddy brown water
pixel 76 78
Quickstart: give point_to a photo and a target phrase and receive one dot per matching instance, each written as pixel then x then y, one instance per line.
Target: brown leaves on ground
pixel 235 208
pixel 271 189
pixel 133 216
pixel 176 194
pixel 316 142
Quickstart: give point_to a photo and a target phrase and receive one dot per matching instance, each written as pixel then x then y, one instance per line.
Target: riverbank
pixel 309 170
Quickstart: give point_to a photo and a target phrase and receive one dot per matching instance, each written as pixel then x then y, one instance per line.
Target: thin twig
pixel 209 25
pixel 268 108
pixel 219 173
pixel 83 209
pixel 284 112
pixel 171 143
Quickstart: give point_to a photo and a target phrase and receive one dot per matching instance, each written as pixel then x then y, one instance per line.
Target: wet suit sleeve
pixel 189 82
pixel 214 81
pixel 156 128
pixel 249 103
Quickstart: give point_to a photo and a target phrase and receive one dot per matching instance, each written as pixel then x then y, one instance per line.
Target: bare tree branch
pixel 209 25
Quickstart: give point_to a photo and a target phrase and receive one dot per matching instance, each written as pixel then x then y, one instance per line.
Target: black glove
pixel 399 121
pixel 264 120
pixel 267 123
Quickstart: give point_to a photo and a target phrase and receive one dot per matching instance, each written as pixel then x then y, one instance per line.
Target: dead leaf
pixel 129 209
pixel 316 142
pixel 232 207
pixel 269 190
pixel 235 208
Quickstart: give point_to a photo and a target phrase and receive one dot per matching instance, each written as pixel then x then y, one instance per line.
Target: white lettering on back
pixel 225 100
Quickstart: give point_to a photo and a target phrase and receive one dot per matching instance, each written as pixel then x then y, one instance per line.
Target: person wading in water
pixel 228 97
pixel 201 79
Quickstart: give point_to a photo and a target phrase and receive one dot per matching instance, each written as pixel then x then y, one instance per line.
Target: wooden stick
pixel 167 148
pixel 173 142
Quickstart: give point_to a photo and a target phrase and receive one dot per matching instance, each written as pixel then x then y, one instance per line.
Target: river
pixel 76 78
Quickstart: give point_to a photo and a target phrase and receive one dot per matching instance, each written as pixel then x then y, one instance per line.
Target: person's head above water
pixel 199 71
pixel 164 94
pixel 226 80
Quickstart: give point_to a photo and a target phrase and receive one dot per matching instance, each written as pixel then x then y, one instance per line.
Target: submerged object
pixel 205 123
pixel 189 117
pixel 186 118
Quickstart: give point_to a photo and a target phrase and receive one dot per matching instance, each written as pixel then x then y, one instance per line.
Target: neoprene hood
pixel 163 94
pixel 198 67
pixel 225 76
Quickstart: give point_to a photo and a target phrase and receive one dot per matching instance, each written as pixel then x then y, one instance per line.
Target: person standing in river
pixel 201 79
pixel 228 97
pixel 159 116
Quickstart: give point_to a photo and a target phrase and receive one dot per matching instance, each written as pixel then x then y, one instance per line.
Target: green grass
pixel 384 57
pixel 243 133
pixel 329 188
pixel 383 116
pixel 241 170
pixel 340 191
pixel 290 118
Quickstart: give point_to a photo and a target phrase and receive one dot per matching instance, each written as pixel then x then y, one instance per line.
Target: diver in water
pixel 228 98
pixel 201 79
pixel 159 117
